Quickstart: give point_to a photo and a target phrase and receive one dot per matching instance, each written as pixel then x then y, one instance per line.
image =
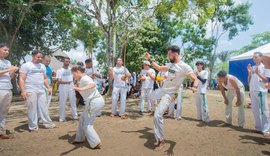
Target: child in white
pixel 235 88
pixel 6 73
pixel 119 74
pixel 65 80
pixel 200 95
pixel 177 71
pixel 258 75
pixel 93 104
pixel 147 77
pixel 32 81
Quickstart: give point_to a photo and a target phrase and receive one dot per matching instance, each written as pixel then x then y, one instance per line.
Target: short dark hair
pixel 35 52
pixel 222 73
pixel 200 63
pixel 3 44
pixel 258 53
pixel 80 63
pixel 77 68
pixel 174 49
pixel 88 60
pixel 66 58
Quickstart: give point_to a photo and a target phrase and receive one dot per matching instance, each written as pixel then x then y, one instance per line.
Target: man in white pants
pixel 94 74
pixel 200 95
pixel 32 81
pixel 147 77
pixel 120 75
pixel 235 88
pixel 177 71
pixel 258 77
pixel 7 72
pixel 93 104
pixel 65 80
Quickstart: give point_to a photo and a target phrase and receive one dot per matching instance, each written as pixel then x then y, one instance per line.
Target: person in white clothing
pixel 177 71
pixel 200 95
pixel 266 62
pixel 147 77
pixel 32 81
pixel 234 88
pixel 7 72
pixel 258 77
pixel 65 80
pixel 93 104
pixel 119 75
pixel 178 102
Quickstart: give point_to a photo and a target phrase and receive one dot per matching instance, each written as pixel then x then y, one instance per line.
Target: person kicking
pixel 7 72
pixel 177 71
pixel 235 88
pixel 32 81
pixel 258 78
pixel 94 103
pixel 119 75
pixel 65 80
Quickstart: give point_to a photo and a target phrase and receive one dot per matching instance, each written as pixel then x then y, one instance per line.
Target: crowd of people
pixel 83 81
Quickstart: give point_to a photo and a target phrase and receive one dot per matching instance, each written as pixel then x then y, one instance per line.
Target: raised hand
pixel 249 68
pixel 147 56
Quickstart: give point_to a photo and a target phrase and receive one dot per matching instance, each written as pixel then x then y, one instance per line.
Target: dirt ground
pixel 134 136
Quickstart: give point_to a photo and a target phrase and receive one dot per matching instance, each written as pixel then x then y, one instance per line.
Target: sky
pixel 261 17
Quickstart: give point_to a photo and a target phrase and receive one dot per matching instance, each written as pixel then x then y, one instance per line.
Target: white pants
pixel 154 96
pixel 5 101
pixel 163 105
pixel 115 96
pixel 202 107
pixel 35 100
pixel 228 110
pixel 178 106
pixel 260 111
pixel 66 91
pixel 145 93
pixel 86 123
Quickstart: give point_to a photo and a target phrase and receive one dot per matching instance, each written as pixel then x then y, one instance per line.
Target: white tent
pixel 265 49
pixel 55 63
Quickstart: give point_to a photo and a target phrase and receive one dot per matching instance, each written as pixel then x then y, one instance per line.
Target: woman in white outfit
pixel 234 88
pixel 93 105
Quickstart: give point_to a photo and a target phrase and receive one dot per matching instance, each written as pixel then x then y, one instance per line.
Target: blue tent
pixel 238 64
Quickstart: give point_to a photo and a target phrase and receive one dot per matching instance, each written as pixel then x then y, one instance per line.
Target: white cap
pixel 147 63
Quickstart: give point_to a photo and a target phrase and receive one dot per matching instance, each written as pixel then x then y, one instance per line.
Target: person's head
pixel 4 50
pixel 222 75
pixel 119 62
pixel 88 63
pixel 77 72
pixel 257 57
pixel 46 60
pixel 146 65
pixel 200 65
pixel 173 53
pixel 66 61
pixel 80 63
pixel 37 56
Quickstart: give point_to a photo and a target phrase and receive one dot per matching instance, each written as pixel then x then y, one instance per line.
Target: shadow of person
pixel 266 152
pixel 150 139
pixel 254 140
pixel 70 139
pixel 21 128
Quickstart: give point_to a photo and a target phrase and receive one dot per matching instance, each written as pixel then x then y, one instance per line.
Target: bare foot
pixel 152 113
pixel 98 146
pixel 266 135
pixel 160 146
pixel 6 137
pixel 157 143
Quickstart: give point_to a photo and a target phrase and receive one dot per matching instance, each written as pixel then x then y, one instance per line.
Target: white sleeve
pixel 9 64
pixel 127 71
pixel 266 73
pixel 24 69
pixel 205 74
pixel 87 80
pixel 153 72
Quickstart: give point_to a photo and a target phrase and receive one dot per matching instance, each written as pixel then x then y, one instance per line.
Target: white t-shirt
pixel 256 83
pixel 229 86
pixel 118 72
pixel 89 72
pixel 64 74
pixel 203 87
pixel 5 82
pixel 90 93
pixel 176 75
pixel 35 74
pixel 148 83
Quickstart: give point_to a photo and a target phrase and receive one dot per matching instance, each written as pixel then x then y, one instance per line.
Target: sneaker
pixel 50 126
pixel 75 118
pixel 178 118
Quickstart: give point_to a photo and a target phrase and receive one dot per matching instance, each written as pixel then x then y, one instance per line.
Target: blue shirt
pixel 49 74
